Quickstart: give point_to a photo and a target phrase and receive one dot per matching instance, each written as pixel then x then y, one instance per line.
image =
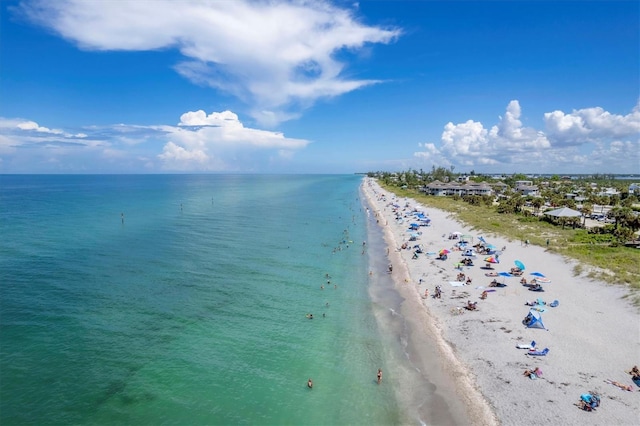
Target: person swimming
pixel 309 384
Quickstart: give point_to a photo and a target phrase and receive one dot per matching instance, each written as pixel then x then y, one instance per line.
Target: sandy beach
pixel 592 336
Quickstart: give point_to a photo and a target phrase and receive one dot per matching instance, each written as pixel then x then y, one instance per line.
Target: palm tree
pixel 537 203
pixel 622 215
pixel 587 209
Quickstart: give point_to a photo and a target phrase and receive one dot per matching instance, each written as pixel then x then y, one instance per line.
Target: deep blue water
pixel 182 299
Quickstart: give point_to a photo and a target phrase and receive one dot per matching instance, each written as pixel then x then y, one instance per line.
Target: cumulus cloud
pixel 277 56
pixel 199 142
pixel 470 143
pixel 590 139
pixel 591 124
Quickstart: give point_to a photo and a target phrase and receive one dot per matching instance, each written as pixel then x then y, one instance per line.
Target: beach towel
pixel 543 352
pixel 456 283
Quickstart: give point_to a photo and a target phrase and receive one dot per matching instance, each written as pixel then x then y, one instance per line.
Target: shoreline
pixel 477 349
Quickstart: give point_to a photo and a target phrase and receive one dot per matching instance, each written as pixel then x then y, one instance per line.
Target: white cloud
pixel 200 118
pixel 200 142
pixel 277 56
pixel 587 140
pixel 32 125
pixel 591 124
pixel 218 140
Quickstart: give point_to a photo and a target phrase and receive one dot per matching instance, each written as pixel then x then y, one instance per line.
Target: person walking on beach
pixel 379 376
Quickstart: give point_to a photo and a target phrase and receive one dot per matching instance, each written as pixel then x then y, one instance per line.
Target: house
pixel 527 190
pixel 440 189
pixel 608 192
pixel 634 188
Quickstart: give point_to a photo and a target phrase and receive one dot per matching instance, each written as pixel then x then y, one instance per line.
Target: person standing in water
pixel 379 376
pixel 309 384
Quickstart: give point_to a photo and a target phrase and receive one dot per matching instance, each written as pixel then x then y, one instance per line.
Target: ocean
pixel 184 299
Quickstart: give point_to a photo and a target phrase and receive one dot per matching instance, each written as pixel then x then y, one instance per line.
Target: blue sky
pixel 319 87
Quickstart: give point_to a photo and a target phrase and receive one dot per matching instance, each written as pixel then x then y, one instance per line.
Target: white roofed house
pixel 478 189
pixel 527 190
pixel 455 189
pixel 436 188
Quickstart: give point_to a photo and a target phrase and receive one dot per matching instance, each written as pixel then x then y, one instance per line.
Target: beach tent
pixel 534 320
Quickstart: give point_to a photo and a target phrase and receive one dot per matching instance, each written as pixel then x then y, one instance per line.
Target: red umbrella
pixel 491 259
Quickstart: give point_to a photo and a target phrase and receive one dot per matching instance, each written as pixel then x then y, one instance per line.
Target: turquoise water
pixel 191 308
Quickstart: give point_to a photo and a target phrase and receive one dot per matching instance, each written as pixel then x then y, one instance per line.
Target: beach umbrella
pixel 444 251
pixel 538 274
pixel 491 259
pixel 519 264
pixel 505 275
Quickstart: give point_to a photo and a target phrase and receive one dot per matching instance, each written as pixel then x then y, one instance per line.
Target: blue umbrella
pixel 519 264
pixel 505 274
pixel 538 274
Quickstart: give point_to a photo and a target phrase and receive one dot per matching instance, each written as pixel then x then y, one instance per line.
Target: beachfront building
pixel 440 189
pixel 634 188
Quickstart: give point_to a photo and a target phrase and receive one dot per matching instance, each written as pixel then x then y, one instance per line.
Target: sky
pixel 198 86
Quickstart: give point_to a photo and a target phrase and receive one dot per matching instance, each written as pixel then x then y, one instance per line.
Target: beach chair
pixel 554 303
pixel 543 352
pixel 529 346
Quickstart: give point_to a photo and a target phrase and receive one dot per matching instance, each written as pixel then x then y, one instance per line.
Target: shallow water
pixel 192 309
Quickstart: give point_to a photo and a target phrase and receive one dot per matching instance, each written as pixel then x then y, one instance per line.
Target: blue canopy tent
pixel 534 320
